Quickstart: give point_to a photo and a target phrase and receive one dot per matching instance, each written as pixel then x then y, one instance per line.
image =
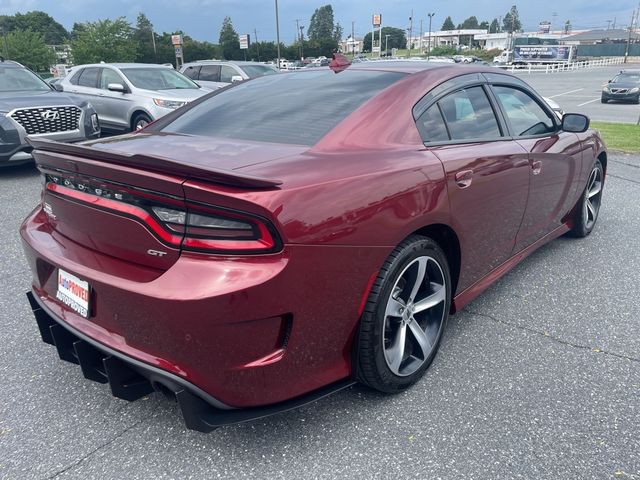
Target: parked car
pixel 276 254
pixel 129 96
pixel 623 87
pixel 215 74
pixel 29 106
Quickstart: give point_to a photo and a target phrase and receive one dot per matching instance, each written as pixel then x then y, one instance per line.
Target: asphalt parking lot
pixel 538 378
pixel 579 91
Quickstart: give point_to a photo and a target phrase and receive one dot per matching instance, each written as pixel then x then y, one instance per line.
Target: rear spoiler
pixel 154 163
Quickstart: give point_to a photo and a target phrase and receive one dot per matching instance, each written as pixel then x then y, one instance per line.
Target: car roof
pixel 10 63
pixel 122 65
pixel 408 66
pixel 225 62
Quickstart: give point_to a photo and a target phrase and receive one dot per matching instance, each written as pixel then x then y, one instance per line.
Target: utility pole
pixel 153 42
pixel 255 39
pixel 633 19
pixel 430 15
pixel 420 41
pixel 353 39
pixel 301 43
pixel 608 24
pixel 386 45
pixel 298 33
pixel 278 34
pixel 410 32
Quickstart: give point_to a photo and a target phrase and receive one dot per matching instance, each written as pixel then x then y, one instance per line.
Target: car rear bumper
pixel 249 331
pixel 131 379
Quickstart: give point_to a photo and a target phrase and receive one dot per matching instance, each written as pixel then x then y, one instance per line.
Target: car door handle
pixel 464 178
pixel 536 167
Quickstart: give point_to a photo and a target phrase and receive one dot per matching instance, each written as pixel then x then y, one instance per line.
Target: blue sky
pixel 202 18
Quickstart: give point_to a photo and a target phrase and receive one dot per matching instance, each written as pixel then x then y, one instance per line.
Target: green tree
pixel 144 38
pixel 76 30
pixel 230 41
pixel 30 49
pixel 397 38
pixel 469 23
pixel 495 26
pixel 321 25
pixel 40 22
pixel 104 40
pixel 484 25
pixel 511 21
pixel 448 24
pixel 337 32
pixel 195 50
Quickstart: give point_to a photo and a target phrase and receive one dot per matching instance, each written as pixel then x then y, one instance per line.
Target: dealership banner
pixel 541 52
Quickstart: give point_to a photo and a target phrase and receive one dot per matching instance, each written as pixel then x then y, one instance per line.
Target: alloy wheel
pixel 593 197
pixel 414 315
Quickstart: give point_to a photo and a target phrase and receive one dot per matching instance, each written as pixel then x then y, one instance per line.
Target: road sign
pixel 244 42
pixel 178 52
pixel 176 39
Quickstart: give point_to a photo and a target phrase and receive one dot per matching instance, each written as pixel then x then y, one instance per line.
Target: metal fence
pixel 608 50
pixel 563 67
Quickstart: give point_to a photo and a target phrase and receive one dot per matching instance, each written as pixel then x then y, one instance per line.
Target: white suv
pixel 217 73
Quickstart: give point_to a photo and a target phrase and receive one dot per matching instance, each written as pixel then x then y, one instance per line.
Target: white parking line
pixel 566 93
pixel 590 101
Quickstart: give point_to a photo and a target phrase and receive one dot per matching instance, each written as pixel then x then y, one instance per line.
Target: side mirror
pixel 236 78
pixel 116 87
pixel 575 122
pixel 608 81
pixel 57 87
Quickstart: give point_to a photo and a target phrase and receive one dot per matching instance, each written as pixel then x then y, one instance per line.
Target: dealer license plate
pixel 73 292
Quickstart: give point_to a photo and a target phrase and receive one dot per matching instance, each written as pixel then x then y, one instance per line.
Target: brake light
pixel 201 228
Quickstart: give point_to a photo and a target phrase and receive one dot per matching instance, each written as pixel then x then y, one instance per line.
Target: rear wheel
pixel 405 315
pixel 140 121
pixel 588 208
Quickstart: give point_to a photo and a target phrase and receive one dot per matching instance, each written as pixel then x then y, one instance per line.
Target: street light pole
pixel 386 45
pixel 278 34
pixel 430 15
pixel 301 43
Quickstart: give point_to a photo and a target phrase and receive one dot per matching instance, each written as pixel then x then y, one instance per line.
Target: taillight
pixel 200 228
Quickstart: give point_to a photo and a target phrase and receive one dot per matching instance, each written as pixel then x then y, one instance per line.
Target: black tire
pixel 140 121
pixel 392 288
pixel 588 207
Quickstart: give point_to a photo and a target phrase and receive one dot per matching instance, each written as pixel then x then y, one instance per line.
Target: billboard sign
pixel 376 20
pixel 244 42
pixel 541 53
pixel 544 27
pixel 176 39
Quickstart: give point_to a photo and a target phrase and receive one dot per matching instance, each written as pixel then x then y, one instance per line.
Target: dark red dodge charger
pixel 276 241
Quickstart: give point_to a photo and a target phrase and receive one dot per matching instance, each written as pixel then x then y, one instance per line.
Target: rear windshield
pixel 293 108
pixel 158 79
pixel 254 71
pixel 13 79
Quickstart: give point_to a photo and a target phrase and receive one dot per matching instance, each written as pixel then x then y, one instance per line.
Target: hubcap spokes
pixel 592 199
pixel 414 316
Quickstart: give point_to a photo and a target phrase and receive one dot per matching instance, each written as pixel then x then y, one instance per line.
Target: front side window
pixel 524 113
pixel 469 115
pixel 227 73
pixel 89 77
pixel 109 76
pixel 158 79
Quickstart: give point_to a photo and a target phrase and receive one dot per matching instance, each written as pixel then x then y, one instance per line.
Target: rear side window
pixel 469 115
pixel 431 125
pixel 89 77
pixel 192 72
pixel 294 108
pixel 210 73
pixel 525 115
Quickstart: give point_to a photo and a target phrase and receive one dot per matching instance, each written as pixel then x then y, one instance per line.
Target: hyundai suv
pixel 30 106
